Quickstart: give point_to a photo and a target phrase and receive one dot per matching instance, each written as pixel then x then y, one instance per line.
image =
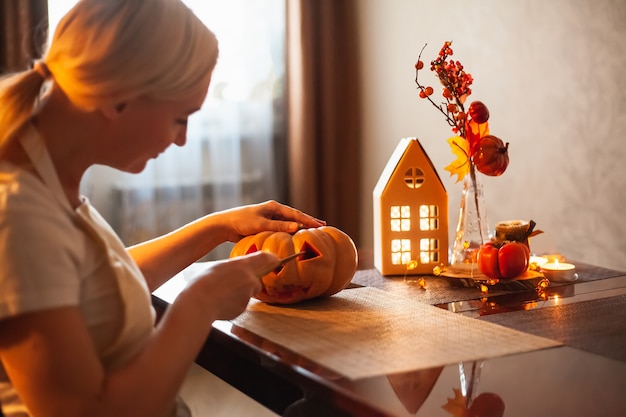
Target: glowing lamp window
pixel 414 178
pixel 429 251
pixel 400 218
pixel 429 217
pixel 400 251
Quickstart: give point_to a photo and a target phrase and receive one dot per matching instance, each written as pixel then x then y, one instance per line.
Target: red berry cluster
pixel 452 75
pixel 487 152
pixel 456 86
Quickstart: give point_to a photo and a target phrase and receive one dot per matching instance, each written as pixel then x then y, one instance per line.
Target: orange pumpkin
pixel 326 267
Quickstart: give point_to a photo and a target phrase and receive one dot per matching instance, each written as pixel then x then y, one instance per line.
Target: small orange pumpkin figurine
pixel 326 266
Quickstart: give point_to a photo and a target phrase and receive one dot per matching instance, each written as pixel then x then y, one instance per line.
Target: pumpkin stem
pixel 530 232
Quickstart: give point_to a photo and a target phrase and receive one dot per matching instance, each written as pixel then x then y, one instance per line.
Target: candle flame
pixel 556 264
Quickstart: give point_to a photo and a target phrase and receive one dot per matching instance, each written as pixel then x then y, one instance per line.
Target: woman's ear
pixel 113 110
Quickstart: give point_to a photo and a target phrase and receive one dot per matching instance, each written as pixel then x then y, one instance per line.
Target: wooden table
pixel 586 376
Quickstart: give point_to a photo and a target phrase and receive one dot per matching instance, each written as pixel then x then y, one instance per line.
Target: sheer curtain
pixel 235 144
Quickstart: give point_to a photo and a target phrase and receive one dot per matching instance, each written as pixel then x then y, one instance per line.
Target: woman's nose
pixel 181 138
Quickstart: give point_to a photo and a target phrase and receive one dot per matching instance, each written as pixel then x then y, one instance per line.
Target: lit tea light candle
pixel 559 271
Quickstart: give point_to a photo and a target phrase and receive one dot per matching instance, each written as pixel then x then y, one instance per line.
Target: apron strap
pixel 139 316
pixel 40 158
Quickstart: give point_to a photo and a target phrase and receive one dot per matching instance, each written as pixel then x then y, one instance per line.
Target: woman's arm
pixel 52 363
pixel 161 258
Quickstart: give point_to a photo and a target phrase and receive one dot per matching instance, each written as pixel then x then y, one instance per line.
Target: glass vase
pixel 472 229
pixel 469 375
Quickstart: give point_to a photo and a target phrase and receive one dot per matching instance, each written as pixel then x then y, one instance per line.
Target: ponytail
pixel 19 94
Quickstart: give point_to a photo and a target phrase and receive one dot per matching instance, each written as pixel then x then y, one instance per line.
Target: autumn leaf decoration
pixel 485 404
pixel 456 406
pixel 461 165
pixel 471 127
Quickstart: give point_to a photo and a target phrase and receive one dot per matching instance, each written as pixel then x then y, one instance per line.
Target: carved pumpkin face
pixel 326 267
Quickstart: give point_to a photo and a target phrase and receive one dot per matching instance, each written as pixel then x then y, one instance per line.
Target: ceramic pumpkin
pixel 325 268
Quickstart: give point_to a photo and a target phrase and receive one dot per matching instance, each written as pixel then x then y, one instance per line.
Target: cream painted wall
pixel 553 75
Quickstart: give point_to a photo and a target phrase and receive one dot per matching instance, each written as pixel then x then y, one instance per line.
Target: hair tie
pixel 41 68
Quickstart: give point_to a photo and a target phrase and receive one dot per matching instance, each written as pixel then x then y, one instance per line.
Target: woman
pixel 77 332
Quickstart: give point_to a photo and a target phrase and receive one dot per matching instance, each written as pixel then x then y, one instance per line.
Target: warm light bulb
pixel 412 265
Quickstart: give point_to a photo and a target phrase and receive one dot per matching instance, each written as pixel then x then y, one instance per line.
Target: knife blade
pixel 281 262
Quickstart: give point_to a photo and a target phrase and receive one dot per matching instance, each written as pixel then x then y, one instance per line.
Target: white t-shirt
pixel 52 256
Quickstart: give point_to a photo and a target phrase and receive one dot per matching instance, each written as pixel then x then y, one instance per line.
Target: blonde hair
pixel 108 51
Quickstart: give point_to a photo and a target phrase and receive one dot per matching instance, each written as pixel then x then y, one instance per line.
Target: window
pixel 414 177
pixel 400 251
pixel 429 250
pixel 400 218
pixel 235 145
pixel 429 217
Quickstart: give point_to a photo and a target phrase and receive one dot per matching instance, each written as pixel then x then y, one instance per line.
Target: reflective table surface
pixel 586 376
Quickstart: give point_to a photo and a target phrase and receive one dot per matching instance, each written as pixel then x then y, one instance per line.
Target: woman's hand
pixel 163 257
pixel 224 289
pixel 66 374
pixel 270 215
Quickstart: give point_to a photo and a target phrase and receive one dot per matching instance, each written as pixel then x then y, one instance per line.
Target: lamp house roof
pixel 409 167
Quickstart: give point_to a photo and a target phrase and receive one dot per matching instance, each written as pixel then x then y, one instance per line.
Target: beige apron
pixel 139 316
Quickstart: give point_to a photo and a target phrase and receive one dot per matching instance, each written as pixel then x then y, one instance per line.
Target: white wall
pixel 552 74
